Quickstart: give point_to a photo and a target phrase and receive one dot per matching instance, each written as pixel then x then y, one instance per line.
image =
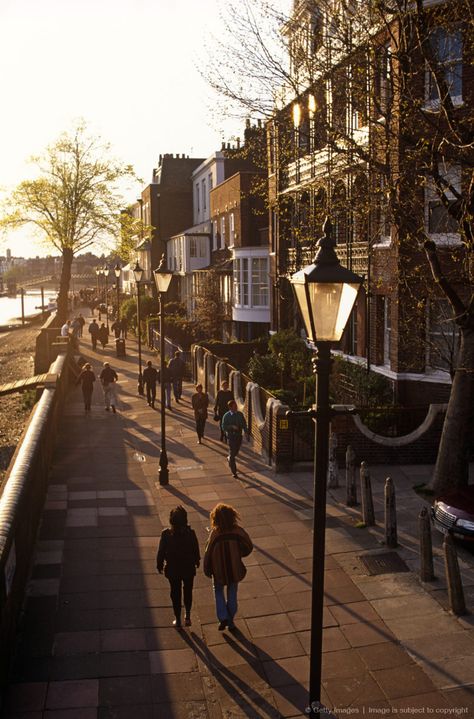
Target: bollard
pixel 426 548
pixel 368 515
pixel 333 470
pixel 391 539
pixel 351 486
pixel 453 577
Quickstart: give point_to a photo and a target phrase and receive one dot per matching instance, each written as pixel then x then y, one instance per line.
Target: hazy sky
pixel 126 66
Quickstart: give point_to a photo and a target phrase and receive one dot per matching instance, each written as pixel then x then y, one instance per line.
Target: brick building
pixel 351 144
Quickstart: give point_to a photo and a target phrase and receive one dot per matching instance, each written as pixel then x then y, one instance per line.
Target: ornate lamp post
pixel 105 272
pixel 326 293
pixel 138 274
pixel 162 282
pixel 118 272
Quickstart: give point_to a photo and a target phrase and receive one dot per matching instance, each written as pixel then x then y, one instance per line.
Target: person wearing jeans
pixel 227 544
pixel 233 424
pixel 108 377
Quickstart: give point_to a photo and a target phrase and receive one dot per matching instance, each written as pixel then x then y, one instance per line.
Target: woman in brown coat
pixel 227 544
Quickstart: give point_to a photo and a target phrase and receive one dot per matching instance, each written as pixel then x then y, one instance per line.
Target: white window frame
pixel 223 231
pixel 231 229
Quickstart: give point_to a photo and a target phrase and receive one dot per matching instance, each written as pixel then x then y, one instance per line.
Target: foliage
pixel 263 369
pixel 209 312
pixel 73 202
pixel 293 357
pixel 351 383
pixel 28 399
pixel 181 330
pixel 132 231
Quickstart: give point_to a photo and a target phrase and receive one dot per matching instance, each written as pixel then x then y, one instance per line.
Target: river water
pixel 10 307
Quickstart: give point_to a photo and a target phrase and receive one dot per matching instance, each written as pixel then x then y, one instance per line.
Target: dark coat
pixel 178 553
pixel 221 403
pixel 177 368
pixel 150 375
pixel 200 403
pixel 86 379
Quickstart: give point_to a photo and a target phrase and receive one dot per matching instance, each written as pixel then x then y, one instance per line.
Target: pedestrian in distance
pixel 150 376
pixel 94 333
pixel 86 379
pixel 103 336
pixel 233 425
pixel 123 326
pixel 200 403
pixel 82 322
pixel 221 406
pixel 226 545
pixel 65 329
pixel 178 556
pixel 109 378
pixel 167 383
pixel 116 328
pixel 177 369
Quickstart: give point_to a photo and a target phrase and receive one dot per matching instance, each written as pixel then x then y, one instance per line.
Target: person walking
pixel 200 403
pixel 226 545
pixel 103 335
pixel 109 377
pixel 221 405
pixel 65 329
pixel 178 554
pixel 150 375
pixel 167 382
pixel 177 369
pixel 86 379
pixel 82 322
pixel 233 424
pixel 94 333
pixel 116 328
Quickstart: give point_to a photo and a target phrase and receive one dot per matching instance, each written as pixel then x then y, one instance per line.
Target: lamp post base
pixel 141 391
pixel 163 474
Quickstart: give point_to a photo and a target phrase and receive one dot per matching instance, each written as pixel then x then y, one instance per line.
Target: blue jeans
pixel 226 610
pixel 235 441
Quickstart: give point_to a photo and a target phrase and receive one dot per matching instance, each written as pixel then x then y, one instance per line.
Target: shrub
pixel 263 369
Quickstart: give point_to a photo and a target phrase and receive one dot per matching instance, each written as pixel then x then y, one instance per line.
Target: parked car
pixel 453 513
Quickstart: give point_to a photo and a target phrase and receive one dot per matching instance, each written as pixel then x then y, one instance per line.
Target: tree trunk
pixel 64 284
pixel 452 464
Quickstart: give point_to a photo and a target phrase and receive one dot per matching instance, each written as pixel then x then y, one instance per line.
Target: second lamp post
pixel 138 274
pixel 162 281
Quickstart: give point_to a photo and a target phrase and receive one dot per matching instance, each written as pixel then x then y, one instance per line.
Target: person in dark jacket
pixel 221 405
pixel 116 328
pixel 177 369
pixel 103 335
pixel 200 403
pixel 178 555
pixel 86 379
pixel 227 544
pixel 94 333
pixel 167 382
pixel 150 375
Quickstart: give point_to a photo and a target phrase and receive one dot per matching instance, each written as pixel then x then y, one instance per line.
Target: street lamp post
pixel 326 293
pixel 118 272
pixel 138 274
pixel 98 272
pixel 106 271
pixel 162 282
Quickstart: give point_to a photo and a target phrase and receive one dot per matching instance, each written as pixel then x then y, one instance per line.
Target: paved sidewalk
pixel 96 639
